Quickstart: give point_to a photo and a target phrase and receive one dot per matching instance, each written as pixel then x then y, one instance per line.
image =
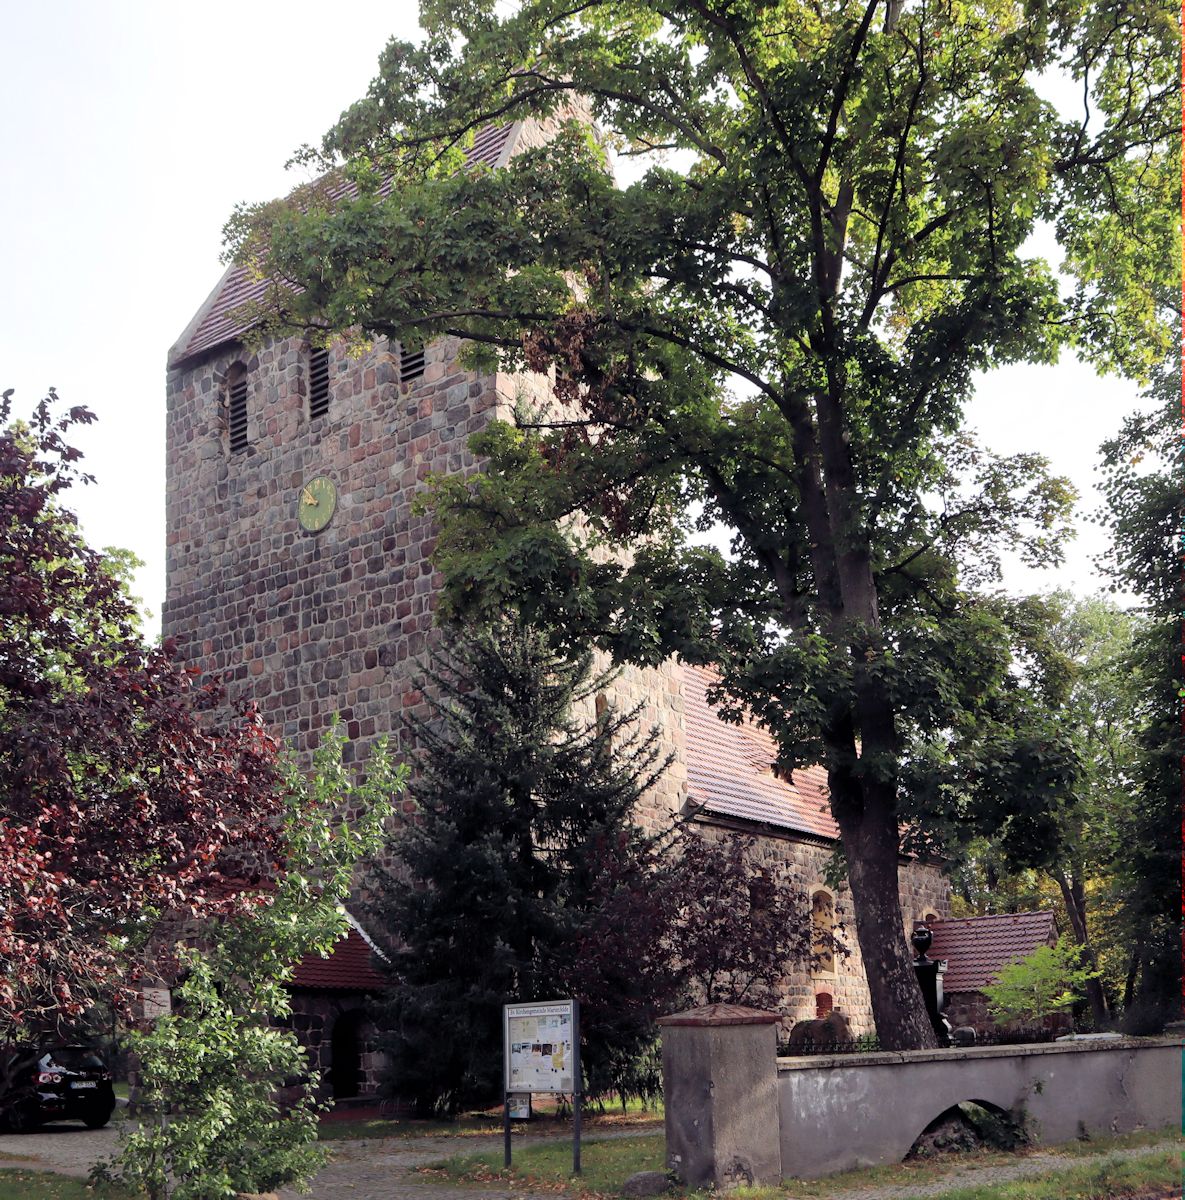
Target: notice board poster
pixel 540 1046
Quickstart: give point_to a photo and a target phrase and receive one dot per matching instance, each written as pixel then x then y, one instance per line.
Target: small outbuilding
pixel 332 999
pixel 976 950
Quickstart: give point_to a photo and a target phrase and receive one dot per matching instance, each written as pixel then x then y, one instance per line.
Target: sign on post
pixel 541 1053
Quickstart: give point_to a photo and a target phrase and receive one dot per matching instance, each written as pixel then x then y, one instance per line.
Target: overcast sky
pixel 131 129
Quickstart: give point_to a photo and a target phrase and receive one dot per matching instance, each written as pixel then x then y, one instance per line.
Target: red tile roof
pixel 978 948
pixel 730 770
pixel 220 321
pixel 348 967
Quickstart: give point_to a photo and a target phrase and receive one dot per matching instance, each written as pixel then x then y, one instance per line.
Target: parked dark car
pixel 64 1083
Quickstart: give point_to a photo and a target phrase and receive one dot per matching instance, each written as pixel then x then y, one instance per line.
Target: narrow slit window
pixel 318 382
pixel 823 933
pixel 237 414
pixel 411 364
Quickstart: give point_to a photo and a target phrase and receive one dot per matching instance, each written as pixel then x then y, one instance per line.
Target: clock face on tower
pixel 316 503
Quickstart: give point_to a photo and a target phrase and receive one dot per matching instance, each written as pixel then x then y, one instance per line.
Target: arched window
pixel 824 1003
pixel 318 382
pixel 236 409
pixel 822 931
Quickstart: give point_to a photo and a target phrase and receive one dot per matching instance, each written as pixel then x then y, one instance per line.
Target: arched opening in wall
pixel 822 932
pixel 928 918
pixel 971 1125
pixel 824 1003
pixel 237 425
pixel 345 1055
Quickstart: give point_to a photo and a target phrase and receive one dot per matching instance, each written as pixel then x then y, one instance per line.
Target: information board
pixel 539 1047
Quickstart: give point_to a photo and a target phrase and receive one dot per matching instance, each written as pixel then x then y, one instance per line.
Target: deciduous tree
pixel 123 796
pixel 1144 489
pixel 774 330
pixel 210 1074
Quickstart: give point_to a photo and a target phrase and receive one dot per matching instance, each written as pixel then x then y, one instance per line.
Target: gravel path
pixel 384 1168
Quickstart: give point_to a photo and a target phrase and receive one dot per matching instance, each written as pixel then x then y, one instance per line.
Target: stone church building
pixel 298 571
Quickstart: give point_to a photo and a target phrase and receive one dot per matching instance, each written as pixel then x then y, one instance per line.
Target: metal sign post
pixel 577 1089
pixel 541 1053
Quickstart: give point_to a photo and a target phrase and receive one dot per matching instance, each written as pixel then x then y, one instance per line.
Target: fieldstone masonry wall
pixel 314 1016
pixel 736 1114
pixel 312 625
pixel 923 889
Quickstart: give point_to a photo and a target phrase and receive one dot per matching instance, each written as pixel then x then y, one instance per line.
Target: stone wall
pixel 923 889
pixel 312 625
pixel 736 1114
pixel 1056 1092
pixel 314 1017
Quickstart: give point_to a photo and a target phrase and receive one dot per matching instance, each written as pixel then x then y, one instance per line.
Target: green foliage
pixel 1048 981
pixel 1144 490
pixel 211 1123
pixel 524 816
pixel 1050 774
pixel 774 331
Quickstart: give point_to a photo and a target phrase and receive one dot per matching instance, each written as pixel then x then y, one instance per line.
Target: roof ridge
pixel 215 323
pixel 1034 912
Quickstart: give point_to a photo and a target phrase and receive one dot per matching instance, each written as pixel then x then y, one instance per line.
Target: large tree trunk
pixel 868 827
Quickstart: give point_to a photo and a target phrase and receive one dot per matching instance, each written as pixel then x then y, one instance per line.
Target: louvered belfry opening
pixel 237 412
pixel 318 382
pixel 411 364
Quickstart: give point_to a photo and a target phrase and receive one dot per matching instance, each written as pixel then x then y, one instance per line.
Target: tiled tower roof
pixel 218 322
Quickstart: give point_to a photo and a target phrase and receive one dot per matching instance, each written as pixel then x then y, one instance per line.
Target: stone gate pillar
pixel 720 1092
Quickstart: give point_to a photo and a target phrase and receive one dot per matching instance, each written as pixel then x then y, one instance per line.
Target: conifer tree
pixel 521 811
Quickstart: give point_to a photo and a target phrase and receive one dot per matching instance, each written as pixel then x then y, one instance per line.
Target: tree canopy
pixel 773 329
pixel 123 795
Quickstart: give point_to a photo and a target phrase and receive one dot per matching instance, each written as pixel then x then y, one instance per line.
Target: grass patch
pixel 349 1129
pixel 478 1125
pixel 1112 1179
pixel 928 1171
pixel 605 1164
pixel 44 1185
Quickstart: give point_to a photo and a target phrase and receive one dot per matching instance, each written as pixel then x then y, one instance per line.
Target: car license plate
pixel 85 1083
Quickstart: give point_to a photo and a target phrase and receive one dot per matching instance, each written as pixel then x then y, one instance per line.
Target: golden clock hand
pixel 307 497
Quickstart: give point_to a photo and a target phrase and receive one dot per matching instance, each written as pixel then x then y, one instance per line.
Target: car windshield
pixel 73 1058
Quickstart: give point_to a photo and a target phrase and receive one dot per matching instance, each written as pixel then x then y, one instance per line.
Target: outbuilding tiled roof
pixel 976 949
pixel 349 967
pixel 730 770
pixel 218 322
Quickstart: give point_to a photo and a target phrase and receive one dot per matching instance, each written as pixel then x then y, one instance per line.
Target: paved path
pixel 69 1148
pixel 384 1168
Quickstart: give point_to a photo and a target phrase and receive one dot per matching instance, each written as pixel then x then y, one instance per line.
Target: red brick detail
pixel 730 770
pixel 976 949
